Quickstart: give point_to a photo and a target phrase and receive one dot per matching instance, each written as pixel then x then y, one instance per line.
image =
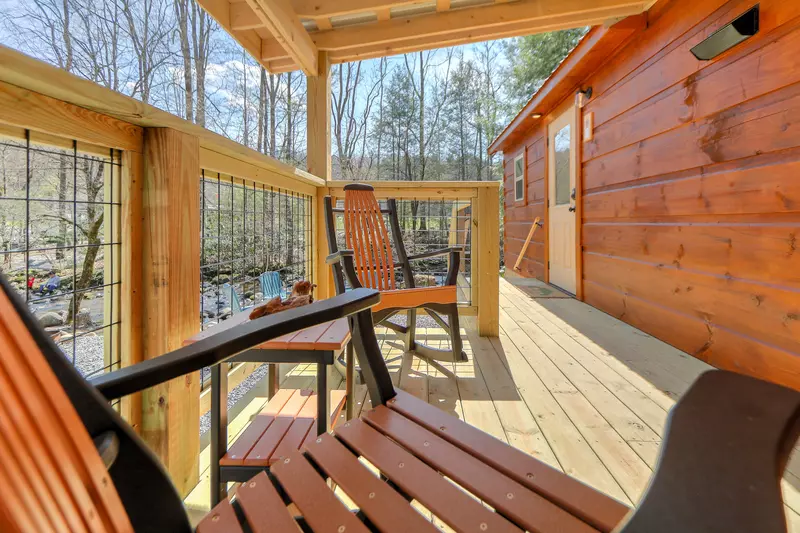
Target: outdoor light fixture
pixel 744 27
pixel 582 96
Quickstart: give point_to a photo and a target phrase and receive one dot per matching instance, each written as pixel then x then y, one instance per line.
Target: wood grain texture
pixel 171 273
pixel 691 203
pixel 132 222
pixel 51 477
pixel 488 256
pixel 34 111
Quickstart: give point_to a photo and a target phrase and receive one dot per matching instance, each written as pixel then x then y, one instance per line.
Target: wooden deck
pixel 564 382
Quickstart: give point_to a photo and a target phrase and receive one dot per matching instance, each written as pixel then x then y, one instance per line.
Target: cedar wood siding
pixel 691 188
pixel 518 216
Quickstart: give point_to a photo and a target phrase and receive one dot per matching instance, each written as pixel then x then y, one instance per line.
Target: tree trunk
pixel 262 103
pixel 182 15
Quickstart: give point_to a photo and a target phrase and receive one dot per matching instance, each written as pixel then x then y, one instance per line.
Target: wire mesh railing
pixel 256 242
pixel 60 242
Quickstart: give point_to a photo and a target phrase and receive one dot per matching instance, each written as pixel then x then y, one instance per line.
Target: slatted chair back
pixel 51 476
pixel 271 285
pixel 367 236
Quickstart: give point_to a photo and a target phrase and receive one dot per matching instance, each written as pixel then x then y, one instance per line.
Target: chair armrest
pixel 435 253
pixel 217 348
pixel 338 257
pixel 726 444
pixel 344 258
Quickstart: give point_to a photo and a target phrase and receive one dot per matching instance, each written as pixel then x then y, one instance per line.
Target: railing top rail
pixel 22 78
pixel 420 189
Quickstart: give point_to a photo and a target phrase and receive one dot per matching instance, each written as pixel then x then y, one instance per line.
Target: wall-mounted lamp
pixel 536 115
pixel 583 97
pixel 742 28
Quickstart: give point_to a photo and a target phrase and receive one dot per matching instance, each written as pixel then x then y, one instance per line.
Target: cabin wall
pixel 691 188
pixel 518 216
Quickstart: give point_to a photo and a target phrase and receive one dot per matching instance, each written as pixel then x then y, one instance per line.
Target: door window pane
pixel 561 145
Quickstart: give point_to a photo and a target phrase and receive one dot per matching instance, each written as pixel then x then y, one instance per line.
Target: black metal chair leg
pixel 456 342
pixel 411 330
pixel 219 429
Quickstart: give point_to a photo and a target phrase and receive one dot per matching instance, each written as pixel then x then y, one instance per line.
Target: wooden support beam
pixel 332 8
pixel 281 20
pixel 283 63
pixel 546 12
pixel 278 61
pixel 487 253
pixel 171 274
pixel 318 142
pixel 243 17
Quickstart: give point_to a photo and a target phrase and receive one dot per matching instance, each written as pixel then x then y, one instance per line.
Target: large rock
pixel 51 319
pixel 83 318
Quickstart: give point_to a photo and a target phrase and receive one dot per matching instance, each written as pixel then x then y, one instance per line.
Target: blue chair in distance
pixel 271 285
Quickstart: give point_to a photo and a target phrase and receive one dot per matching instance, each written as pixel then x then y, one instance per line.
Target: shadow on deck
pixel 564 382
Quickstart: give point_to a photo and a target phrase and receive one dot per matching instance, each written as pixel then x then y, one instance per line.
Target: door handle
pixel 573 193
pixel 572 209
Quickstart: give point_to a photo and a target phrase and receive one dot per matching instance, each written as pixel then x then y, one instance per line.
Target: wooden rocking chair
pixel 368 243
pixel 68 462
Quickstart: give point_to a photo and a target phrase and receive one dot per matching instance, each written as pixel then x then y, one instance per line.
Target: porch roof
pixel 287 35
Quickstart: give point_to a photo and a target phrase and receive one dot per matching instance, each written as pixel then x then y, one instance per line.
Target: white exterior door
pixel 562 172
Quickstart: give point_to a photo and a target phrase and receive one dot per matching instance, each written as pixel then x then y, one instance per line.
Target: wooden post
pixel 318 137
pixel 170 296
pixel 488 256
pixel 131 221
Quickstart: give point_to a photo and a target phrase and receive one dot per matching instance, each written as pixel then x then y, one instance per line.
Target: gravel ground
pixel 423 321
pixel 236 394
pixel 88 353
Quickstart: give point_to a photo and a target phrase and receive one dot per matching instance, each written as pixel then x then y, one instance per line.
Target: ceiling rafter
pixel 280 19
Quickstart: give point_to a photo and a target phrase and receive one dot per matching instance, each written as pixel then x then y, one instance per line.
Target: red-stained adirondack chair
pixel 68 462
pixel 367 240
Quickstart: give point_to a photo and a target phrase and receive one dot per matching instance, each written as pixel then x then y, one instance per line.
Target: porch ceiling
pixel 286 35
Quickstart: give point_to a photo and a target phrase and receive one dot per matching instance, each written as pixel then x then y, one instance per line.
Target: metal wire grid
pixel 431 224
pixel 87 218
pixel 249 229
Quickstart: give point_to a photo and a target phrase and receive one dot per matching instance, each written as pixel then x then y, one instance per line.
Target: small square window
pixel 519 178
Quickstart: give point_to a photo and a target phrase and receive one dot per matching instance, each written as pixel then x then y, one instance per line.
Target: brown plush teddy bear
pixel 301 295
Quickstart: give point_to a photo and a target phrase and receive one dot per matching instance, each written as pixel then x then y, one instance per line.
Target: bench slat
pixel 306 339
pixel 263 449
pixel 595 508
pixel 525 507
pixel 336 337
pixel 321 509
pixel 384 507
pixel 297 432
pixel 415 478
pixel 242 446
pixel 338 398
pixel 221 519
pixel 263 507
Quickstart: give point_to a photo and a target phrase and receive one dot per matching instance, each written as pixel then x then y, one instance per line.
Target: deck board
pixel 564 382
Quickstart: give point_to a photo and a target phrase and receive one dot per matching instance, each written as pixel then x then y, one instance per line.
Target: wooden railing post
pixel 318 137
pixel 170 296
pixel 131 221
pixel 487 255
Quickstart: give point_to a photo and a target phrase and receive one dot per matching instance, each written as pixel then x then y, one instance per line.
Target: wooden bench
pixel 291 416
